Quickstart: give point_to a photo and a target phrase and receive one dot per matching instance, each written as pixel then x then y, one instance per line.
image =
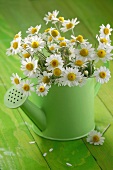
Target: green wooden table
pixel 20 147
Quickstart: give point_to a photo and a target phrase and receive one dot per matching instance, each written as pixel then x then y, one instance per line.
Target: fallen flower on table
pixel 95 137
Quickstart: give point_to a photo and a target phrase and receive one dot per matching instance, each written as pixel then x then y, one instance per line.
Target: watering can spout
pixel 14 98
pixel 35 114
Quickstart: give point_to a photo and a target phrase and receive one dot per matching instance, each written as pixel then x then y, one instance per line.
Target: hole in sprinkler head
pixel 13 89
pixel 13 102
pixel 15 94
pixel 9 95
pixel 18 91
pixel 17 100
pixel 21 98
pixel 12 93
pixel 10 100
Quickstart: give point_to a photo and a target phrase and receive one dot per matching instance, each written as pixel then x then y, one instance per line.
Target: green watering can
pixel 66 113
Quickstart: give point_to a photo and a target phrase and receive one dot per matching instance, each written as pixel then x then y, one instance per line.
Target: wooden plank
pixel 103 154
pixel 15 150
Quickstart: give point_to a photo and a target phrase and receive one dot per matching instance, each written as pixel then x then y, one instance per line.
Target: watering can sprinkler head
pixel 14 98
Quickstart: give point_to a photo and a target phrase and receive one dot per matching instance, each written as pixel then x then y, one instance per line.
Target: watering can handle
pixel 97 85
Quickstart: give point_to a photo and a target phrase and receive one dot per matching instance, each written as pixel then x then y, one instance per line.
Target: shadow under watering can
pixel 66 113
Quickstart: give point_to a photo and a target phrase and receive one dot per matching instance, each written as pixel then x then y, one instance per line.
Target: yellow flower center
pixel 71 76
pixel 16 80
pixel 72 40
pixel 16 36
pixel 69 25
pixel 102 74
pixel 35 44
pixel 57 72
pixel 50 38
pixel 47 30
pixel 61 38
pixel 29 66
pixel 52 48
pixel 33 30
pixel 26 87
pixel 54 63
pixel 101 53
pixel 41 88
pixel 61 19
pixel 106 31
pixel 84 52
pixel 103 40
pixel 62 44
pixel 54 33
pixel 80 38
pixel 50 16
pixel 46 79
pixel 15 45
pixel 79 62
pixel 26 55
pixel 96 138
pixel 24 46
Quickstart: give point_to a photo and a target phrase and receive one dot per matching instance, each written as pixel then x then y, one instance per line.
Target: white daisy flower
pixel 15 79
pixel 25 54
pixel 51 16
pixel 86 52
pixel 53 47
pixel 105 31
pixel 78 63
pixel 71 51
pixel 15 46
pixel 70 77
pixel 54 61
pixel 69 25
pixel 59 39
pixel 64 43
pixel 33 30
pixel 42 89
pixel 95 138
pixel 9 52
pixel 45 77
pixel 103 53
pixel 104 40
pixel 82 81
pixel 29 66
pixel 26 87
pixel 18 35
pixel 58 71
pixel 54 33
pixel 59 19
pixel 79 39
pixel 24 43
pixel 102 75
pixel 35 43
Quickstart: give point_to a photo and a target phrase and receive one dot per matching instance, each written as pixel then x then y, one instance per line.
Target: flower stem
pixel 106 128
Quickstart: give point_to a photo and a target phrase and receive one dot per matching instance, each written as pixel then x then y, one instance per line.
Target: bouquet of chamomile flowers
pixel 51 58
